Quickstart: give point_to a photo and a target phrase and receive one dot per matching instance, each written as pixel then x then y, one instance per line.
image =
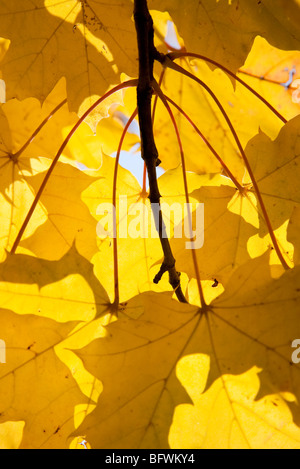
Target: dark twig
pixel 147 55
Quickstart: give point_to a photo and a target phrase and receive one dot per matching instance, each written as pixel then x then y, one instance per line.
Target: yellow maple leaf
pixel 274 162
pixel 222 207
pixel 87 42
pixel 272 72
pixel 93 351
pixel 67 219
pixel 43 316
pixel 225 30
pixel 234 361
pixel 31 135
pixel 28 391
pixel 137 251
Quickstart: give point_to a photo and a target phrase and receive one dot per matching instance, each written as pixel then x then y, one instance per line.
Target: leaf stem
pixel 179 54
pixel 260 78
pixel 186 191
pixel 114 201
pixel 207 143
pixel 39 128
pixel 58 154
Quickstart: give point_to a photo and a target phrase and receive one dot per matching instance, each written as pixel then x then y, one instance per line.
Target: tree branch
pixel 147 55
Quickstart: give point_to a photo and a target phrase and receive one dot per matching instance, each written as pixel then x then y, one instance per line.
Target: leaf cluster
pixel 95 350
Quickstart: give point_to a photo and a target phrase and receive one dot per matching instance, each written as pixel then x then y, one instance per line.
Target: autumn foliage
pixel 96 343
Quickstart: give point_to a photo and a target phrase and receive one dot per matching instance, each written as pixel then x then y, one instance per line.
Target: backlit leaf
pixel 235 357
pixel 44 313
pixel 224 30
pixel 28 391
pixel 31 135
pixel 137 248
pixel 94 353
pixel 88 42
pixel 272 72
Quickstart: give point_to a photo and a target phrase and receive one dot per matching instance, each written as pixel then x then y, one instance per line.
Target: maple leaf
pixel 247 114
pixel 225 30
pixel 67 219
pixel 43 314
pixel 30 136
pixel 223 206
pixel 273 162
pixel 272 72
pixel 26 126
pixel 236 357
pixel 139 251
pixel 37 273
pixel 87 42
pixel 28 391
pixel 197 115
pixel 101 349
